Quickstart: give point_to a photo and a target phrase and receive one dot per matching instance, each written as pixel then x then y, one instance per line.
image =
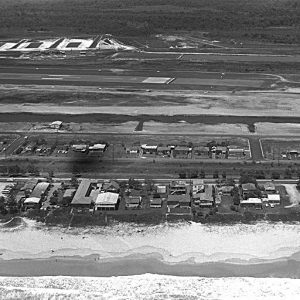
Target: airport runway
pixel 154 79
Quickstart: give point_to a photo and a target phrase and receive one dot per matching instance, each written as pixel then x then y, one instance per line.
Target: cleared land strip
pixel 209 57
pixel 40 78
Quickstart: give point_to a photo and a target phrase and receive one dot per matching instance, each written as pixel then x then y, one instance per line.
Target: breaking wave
pixel 149 286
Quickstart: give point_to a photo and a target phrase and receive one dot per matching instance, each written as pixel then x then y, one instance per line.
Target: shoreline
pixel 90 266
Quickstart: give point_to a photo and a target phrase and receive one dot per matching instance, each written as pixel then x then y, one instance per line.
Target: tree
pixel 74 181
pixel 216 174
pixel 246 178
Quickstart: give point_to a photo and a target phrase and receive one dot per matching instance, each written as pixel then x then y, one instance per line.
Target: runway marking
pixel 170 80
pixel 52 78
pixel 157 80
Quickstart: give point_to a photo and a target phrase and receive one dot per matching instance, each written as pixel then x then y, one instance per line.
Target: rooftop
pixel 252 201
pixel 84 191
pixel 107 199
pixel 34 200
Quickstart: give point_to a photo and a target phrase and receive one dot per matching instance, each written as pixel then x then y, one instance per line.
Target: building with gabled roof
pixel 107 201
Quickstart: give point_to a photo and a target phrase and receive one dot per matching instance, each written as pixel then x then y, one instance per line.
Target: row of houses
pixel 254 197
pixel 221 152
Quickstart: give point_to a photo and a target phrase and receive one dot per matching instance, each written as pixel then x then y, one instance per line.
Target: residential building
pixel 56 125
pixel 164 151
pixel 79 148
pixel 98 148
pixel 252 202
pixel 111 186
pixel 178 201
pixel 219 152
pixel 133 151
pixel 248 189
pixel 236 153
pixel 32 203
pixel 85 195
pixel 182 152
pixel 179 188
pixel 197 186
pixel 149 149
pixel 201 152
pixel 107 201
pixel 133 201
pixel 40 190
pixel 156 202
pixel 205 198
pixel 161 189
pixel 274 199
pixel 270 188
pixel 68 195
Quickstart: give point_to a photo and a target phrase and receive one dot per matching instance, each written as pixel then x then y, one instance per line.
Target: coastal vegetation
pixel 269 20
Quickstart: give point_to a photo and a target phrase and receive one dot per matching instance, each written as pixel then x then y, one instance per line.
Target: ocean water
pixel 269 252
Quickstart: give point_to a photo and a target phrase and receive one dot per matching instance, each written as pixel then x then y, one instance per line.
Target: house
pixel 178 188
pixel 201 152
pixel 178 201
pixel 79 148
pixel 133 201
pixel 156 202
pixel 40 190
pixel 252 202
pixel 293 153
pixel 273 199
pixel 225 189
pixel 56 125
pixel 68 195
pixel 85 195
pixel 205 198
pixel 236 153
pixel 29 185
pixel 219 152
pixel 111 186
pixel 248 189
pixel 133 151
pixel 148 149
pixel 197 186
pixel 107 201
pixel 161 189
pixel 164 151
pixel 98 148
pixel 20 196
pixel 182 152
pixel 270 188
pixel 32 203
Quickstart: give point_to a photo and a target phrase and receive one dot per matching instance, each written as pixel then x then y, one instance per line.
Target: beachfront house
pixel 205 198
pixel 156 201
pixel 252 202
pixel 32 203
pixel 248 190
pixel 178 201
pixel 107 201
pixel 85 195
pixel 274 199
pixel 164 151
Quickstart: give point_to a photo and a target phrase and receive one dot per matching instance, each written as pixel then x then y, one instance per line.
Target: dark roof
pixel 179 198
pixel 107 185
pixel 132 199
pixel 162 148
pixel 156 201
